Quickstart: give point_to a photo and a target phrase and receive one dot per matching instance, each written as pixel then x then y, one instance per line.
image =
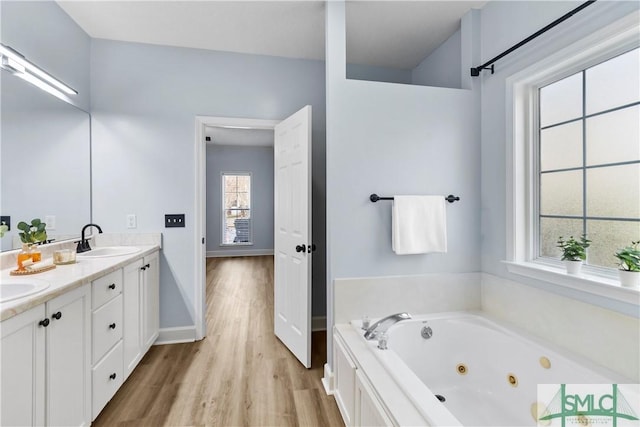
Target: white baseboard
pixel 318 323
pixel 327 380
pixel 176 335
pixel 239 252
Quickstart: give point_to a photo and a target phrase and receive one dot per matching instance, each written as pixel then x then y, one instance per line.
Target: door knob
pixel 300 248
pixel 112 326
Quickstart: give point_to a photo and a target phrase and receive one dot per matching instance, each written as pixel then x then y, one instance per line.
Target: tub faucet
pixel 83 244
pixel 383 324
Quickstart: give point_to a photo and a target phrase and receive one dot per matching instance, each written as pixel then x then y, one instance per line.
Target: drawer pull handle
pixel 57 315
pixel 44 323
pixel 112 326
pixel 112 376
pixel 112 286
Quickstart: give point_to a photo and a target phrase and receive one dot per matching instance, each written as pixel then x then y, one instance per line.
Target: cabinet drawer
pixel 107 327
pixel 107 378
pixel 106 288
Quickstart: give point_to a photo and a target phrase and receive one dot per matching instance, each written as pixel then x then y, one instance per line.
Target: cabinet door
pixel 369 410
pixel 68 386
pixel 132 332
pixel 150 300
pixel 22 369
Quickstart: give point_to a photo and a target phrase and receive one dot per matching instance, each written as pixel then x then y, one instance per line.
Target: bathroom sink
pixel 109 251
pixel 14 289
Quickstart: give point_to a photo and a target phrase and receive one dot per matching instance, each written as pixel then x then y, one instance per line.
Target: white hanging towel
pixel 418 225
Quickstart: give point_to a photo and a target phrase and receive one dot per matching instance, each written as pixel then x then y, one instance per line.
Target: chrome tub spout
pixel 383 324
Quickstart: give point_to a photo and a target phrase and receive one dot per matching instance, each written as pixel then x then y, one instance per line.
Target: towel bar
pixel 450 198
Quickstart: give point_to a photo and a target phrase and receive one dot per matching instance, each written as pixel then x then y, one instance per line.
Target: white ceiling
pixel 398 34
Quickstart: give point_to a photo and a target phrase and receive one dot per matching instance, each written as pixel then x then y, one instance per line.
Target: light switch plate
pixel 174 220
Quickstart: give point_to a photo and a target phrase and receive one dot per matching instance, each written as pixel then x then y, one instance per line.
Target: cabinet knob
pixel 44 323
pixel 112 326
pixel 112 376
pixel 57 315
pixel 112 286
pixel 147 266
pixel 143 268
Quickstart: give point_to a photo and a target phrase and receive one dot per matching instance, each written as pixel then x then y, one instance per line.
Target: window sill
pixel 584 282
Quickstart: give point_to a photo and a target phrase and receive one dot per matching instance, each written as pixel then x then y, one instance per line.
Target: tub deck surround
pixel 482 392
pixel 65 278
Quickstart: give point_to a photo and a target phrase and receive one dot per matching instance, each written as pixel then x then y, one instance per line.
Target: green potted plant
pixel 629 258
pixel 32 233
pixel 574 252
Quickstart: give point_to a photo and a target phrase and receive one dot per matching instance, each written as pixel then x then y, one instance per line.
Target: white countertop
pixel 65 278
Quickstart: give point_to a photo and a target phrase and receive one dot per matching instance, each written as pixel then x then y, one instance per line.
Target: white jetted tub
pixel 484 374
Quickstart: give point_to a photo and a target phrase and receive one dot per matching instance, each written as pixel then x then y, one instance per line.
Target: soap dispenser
pixel 24 255
pixel 36 255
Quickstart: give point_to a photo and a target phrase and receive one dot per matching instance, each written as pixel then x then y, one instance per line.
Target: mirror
pixel 45 163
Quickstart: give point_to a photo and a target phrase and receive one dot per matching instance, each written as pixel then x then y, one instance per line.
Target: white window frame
pixel 521 151
pixel 222 222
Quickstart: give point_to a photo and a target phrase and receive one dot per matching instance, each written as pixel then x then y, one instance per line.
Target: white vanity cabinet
pixel 141 309
pixel 46 360
pixel 107 327
pixel 150 281
pixel 22 370
pixel 62 361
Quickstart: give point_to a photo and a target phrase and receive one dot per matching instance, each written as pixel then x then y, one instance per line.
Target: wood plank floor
pixel 240 375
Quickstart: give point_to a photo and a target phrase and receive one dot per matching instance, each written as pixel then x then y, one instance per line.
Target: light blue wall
pixel 395 139
pixel 49 38
pixel 379 74
pixel 144 102
pixel 443 67
pixel 504 24
pixel 398 139
pixel 259 162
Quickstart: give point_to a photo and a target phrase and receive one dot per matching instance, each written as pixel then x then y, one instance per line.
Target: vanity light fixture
pixel 19 66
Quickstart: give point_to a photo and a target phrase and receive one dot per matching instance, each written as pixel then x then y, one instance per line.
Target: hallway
pixel 241 374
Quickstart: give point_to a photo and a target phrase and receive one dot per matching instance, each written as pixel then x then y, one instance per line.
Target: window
pixel 573 161
pixel 236 208
pixel 588 159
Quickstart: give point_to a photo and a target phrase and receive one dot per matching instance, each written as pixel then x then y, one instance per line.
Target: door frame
pixel 200 209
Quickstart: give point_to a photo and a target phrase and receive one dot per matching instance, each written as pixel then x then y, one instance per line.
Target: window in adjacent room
pixel 588 159
pixel 236 211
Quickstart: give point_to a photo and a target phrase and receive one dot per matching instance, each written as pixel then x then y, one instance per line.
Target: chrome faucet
pixel 383 324
pixel 83 244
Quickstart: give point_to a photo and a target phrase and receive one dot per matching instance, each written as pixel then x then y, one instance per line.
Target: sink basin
pixel 14 289
pixel 109 251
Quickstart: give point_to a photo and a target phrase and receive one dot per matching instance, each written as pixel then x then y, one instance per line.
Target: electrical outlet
pixel 174 220
pixel 50 220
pixel 132 222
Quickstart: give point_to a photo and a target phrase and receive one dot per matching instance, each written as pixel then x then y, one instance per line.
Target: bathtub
pixel 482 373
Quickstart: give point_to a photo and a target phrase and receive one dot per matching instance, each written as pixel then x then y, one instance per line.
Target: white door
pixel 292 240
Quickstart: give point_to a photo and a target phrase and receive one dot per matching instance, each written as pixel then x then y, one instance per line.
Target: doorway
pixel 292 209
pixel 202 123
